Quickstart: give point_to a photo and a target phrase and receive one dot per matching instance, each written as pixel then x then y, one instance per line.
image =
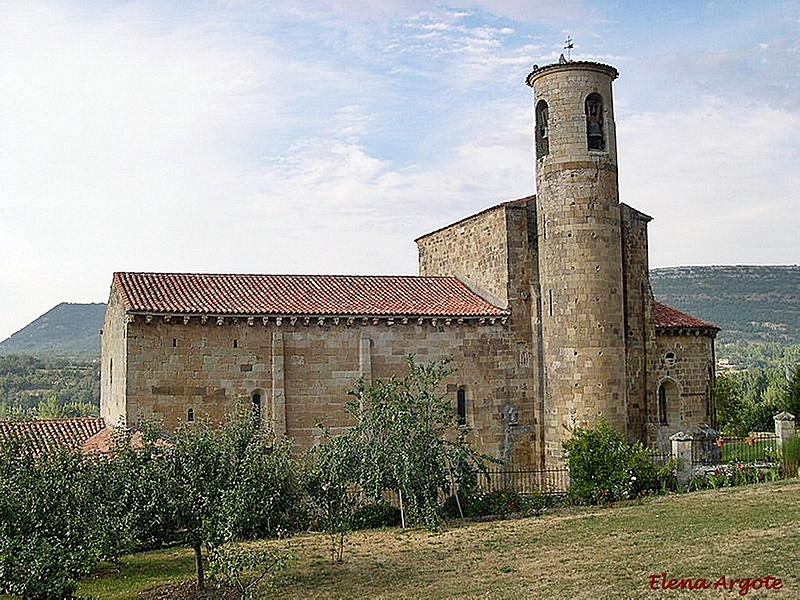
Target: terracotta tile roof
pixel 667 317
pixel 103 441
pixel 356 295
pixel 45 435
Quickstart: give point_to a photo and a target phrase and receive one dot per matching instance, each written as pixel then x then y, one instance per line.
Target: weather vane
pixel 568 46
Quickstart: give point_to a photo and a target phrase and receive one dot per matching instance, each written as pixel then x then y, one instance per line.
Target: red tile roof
pixel 356 295
pixel 667 317
pixel 45 435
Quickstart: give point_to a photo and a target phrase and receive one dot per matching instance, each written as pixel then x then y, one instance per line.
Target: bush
pixel 376 515
pixel 500 503
pixel 790 457
pixel 604 468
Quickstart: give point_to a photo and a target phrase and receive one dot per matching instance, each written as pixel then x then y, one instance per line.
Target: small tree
pixel 407 439
pixel 332 485
pixel 248 569
pixel 229 483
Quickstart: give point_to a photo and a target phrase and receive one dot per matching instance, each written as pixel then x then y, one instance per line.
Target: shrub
pixel 375 515
pixel 790 457
pixel 501 503
pixel 604 468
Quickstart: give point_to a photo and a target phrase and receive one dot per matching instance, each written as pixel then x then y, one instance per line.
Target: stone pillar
pixel 784 427
pixel 365 359
pixel 682 452
pixel 278 388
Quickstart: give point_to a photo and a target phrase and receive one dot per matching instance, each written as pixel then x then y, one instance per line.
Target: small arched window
pixel 190 415
pixel 595 135
pixel 542 132
pixel 662 404
pixel 669 404
pixel 461 407
pixel 256 410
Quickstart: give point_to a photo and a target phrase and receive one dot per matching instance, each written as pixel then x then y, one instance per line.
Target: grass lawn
pixel 744 532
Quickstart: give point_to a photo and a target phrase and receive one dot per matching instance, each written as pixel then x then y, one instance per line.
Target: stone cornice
pixel 151 318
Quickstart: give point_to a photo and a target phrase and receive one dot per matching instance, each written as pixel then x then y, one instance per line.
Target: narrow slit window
pixel 190 415
pixel 461 407
pixel 256 410
pixel 662 404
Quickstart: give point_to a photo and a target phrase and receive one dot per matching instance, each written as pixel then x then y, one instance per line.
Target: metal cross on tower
pixel 568 46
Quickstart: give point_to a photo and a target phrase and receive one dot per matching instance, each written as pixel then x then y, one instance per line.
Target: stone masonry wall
pixel 475 250
pixel 640 335
pixel 113 366
pixel 493 253
pixel 684 363
pixel 303 373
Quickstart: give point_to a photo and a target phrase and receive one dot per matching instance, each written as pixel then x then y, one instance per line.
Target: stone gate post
pixel 682 452
pixel 784 427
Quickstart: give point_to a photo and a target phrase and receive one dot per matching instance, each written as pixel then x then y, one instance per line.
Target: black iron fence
pixel 753 449
pixel 525 481
pixel 660 459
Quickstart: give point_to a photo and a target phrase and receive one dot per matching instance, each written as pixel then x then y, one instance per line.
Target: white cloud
pixel 721 183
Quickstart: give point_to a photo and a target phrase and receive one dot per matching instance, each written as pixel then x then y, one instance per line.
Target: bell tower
pixel 579 250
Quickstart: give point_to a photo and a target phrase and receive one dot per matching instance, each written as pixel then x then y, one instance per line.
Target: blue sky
pixel 323 137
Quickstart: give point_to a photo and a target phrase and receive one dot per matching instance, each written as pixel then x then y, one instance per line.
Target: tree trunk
pixel 198 562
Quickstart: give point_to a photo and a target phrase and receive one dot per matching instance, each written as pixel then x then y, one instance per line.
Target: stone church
pixel 543 303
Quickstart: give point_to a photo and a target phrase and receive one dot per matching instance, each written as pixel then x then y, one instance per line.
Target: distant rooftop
pixel 47 435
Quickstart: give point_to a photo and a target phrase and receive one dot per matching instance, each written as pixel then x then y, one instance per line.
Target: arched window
pixel 542 134
pixel 256 408
pixel 594 122
pixel 461 407
pixel 190 415
pixel 669 404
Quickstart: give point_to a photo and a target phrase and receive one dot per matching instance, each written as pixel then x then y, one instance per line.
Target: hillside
pixel 757 307
pixel 68 331
pixel 749 303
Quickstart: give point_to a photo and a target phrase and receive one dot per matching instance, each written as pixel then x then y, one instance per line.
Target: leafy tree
pixel 407 439
pixel 248 569
pixel 792 397
pixel 52 529
pixel 331 483
pixel 229 483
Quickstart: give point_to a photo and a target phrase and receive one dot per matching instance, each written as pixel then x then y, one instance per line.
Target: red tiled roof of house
pixel 44 435
pixel 667 317
pixel 356 295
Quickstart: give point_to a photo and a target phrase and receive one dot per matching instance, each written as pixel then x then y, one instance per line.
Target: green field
pixel 745 532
